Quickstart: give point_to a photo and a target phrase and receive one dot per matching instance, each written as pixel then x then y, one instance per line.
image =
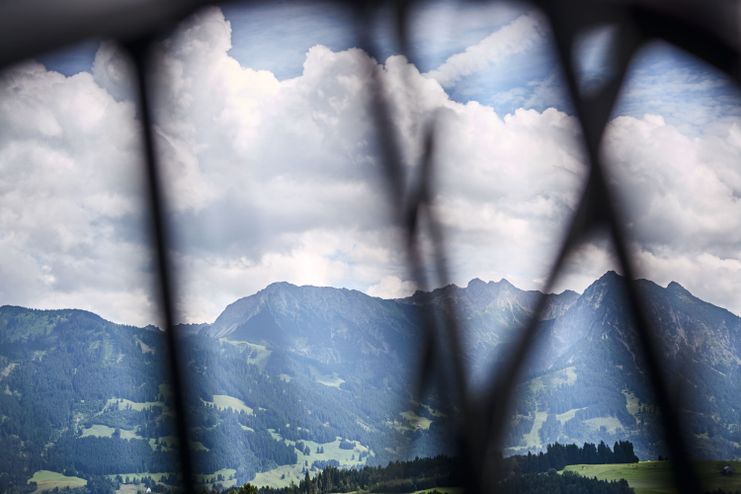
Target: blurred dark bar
pixel 161 244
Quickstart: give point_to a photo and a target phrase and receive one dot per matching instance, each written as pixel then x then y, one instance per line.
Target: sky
pixel 273 171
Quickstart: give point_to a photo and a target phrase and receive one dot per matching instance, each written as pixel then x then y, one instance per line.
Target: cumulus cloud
pixel 298 159
pixel 274 179
pixel 71 217
pixel 682 194
pixel 392 287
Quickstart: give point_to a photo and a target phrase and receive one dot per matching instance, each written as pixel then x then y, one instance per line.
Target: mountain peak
pixel 611 280
pixel 606 281
pixel 279 285
pixel 676 287
pixel 505 282
pixel 610 275
pixel 476 282
pixel 601 289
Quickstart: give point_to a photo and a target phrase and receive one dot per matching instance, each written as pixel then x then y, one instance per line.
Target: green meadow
pixel 655 477
pixel 46 480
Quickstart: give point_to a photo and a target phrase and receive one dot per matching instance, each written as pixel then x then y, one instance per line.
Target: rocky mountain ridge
pixel 294 378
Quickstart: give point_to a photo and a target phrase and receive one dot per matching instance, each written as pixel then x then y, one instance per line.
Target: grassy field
pixel 444 490
pixel 332 381
pixel 123 404
pixel 166 442
pixel 258 354
pixel 129 489
pixel 611 424
pixel 47 480
pixel 226 402
pixel 98 430
pixel 532 438
pixel 213 478
pixel 416 421
pixel 567 415
pixel 285 474
pixel 655 477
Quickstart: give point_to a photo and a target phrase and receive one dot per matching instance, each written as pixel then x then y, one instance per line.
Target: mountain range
pixel 292 379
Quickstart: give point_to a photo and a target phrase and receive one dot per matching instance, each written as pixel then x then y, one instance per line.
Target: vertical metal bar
pixel 139 51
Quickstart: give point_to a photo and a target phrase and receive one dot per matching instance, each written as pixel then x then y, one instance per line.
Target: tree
pixel 590 453
pixel 306 483
pixel 247 489
pixel 603 453
pixel 100 485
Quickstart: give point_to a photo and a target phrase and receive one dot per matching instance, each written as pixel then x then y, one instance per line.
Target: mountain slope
pixel 294 378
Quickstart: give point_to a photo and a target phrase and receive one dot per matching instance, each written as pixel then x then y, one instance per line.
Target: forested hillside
pixel 296 379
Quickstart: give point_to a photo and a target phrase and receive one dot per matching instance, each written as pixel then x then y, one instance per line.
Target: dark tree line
pixel 406 476
pixel 557 456
pixel 566 483
pixel 522 474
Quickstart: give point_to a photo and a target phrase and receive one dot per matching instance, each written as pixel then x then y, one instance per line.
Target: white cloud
pixel 282 180
pixel 392 287
pixel 682 194
pixel 311 170
pixel 71 216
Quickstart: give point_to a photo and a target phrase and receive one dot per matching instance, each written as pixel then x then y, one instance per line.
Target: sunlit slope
pixel 655 477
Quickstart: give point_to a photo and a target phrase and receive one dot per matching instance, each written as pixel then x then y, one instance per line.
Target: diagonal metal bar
pixel 497 402
pixel 418 204
pixel 593 114
pixel 139 52
pixel 709 30
pixel 410 207
pixel 407 205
